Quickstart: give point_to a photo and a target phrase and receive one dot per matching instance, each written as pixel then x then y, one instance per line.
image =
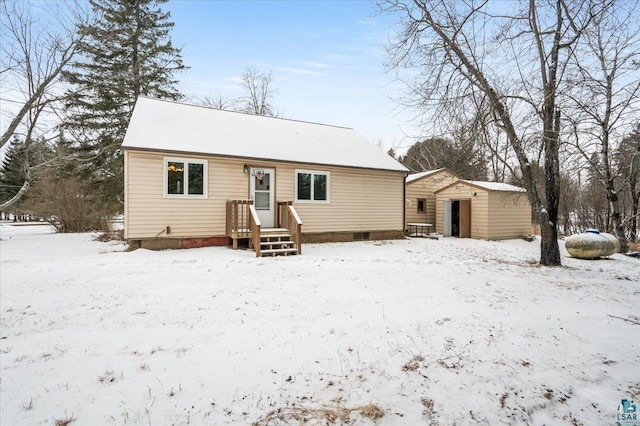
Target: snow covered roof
pixel 490 186
pixel 170 126
pixel 416 176
pixel 496 186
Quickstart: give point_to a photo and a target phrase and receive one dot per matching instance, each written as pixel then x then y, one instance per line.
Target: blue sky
pixel 327 59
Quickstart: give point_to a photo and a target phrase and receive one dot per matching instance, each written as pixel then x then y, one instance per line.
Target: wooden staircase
pixel 276 241
pixel 243 224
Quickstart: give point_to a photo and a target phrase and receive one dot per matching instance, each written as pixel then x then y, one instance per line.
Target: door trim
pixel 266 216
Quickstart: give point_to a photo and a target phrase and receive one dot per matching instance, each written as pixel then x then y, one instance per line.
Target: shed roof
pixel 417 176
pixel 487 186
pixel 160 125
pixel 496 186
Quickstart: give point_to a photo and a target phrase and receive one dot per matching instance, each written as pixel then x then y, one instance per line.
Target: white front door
pixel 261 187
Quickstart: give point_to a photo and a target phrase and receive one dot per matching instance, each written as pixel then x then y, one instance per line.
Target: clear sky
pixel 327 59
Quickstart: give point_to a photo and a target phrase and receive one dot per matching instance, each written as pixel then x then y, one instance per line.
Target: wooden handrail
pixel 254 227
pixel 237 224
pixel 288 218
pixel 243 222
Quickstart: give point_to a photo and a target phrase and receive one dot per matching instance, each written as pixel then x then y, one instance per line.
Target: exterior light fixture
pixel 245 169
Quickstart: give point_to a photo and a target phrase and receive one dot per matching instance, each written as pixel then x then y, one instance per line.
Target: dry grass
pixel 503 399
pixel 371 411
pixel 108 377
pixel 429 413
pixel 413 364
pixel 28 405
pixel 324 415
pixel 113 235
pixel 65 420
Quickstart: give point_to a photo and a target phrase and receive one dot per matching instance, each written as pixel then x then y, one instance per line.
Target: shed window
pixel 422 205
pixel 312 186
pixel 185 178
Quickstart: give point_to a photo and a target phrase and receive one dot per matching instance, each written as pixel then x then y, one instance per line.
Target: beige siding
pixel 360 200
pixel 495 215
pixel 479 208
pixel 510 215
pixel 425 188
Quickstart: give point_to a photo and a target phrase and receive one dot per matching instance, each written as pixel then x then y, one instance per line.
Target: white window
pixel 312 186
pixel 185 178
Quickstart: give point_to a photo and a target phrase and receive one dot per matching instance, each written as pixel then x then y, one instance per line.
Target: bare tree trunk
pixel 37 56
pixel 23 190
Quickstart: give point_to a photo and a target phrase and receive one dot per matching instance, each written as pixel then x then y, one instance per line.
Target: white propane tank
pixel 591 244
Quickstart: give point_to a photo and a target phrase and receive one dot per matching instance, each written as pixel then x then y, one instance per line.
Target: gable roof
pixel 417 176
pixel 174 127
pixel 487 186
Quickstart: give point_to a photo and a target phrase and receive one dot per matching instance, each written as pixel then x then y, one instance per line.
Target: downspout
pixel 404 201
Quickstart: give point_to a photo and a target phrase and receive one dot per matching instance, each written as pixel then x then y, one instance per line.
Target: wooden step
pixel 284 251
pixel 276 243
pixel 274 235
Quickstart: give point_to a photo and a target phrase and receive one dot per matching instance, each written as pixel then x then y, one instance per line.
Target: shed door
pixel 465 218
pixel 262 186
pixel 446 220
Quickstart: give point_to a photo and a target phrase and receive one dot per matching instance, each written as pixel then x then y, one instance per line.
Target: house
pixel 198 176
pixel 421 194
pixel 483 210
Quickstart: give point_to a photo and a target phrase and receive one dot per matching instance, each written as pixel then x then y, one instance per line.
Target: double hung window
pixel 312 186
pixel 185 178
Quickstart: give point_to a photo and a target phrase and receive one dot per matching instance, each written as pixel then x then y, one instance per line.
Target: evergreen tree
pixel 126 54
pixel 22 163
pixel 12 170
pixel 461 157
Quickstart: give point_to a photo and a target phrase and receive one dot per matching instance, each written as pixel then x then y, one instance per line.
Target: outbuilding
pixel 483 210
pixel 421 194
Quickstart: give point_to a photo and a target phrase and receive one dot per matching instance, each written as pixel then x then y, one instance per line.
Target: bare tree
pixel 217 102
pixel 605 96
pixel 257 100
pixel 465 53
pixel 33 54
pixel 627 160
pixel 258 86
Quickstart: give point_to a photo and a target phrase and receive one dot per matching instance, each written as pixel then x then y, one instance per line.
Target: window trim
pixel 424 205
pixel 313 173
pixel 186 161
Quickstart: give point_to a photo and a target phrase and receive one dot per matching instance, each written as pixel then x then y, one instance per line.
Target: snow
pixel 496 186
pixel 416 176
pixel 173 127
pixel 448 331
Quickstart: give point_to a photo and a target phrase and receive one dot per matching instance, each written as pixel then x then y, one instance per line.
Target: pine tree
pixel 126 54
pixel 12 170
pixel 22 163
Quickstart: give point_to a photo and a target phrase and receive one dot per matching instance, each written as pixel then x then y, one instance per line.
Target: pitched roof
pixel 173 127
pixel 496 186
pixel 488 186
pixel 416 176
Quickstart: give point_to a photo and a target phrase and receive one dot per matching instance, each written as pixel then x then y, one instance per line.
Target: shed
pixel 201 176
pixel 483 210
pixel 421 194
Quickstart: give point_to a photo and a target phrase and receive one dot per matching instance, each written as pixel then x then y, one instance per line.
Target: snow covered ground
pixel 381 332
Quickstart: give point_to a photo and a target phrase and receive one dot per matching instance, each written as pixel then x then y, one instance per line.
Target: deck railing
pixel 243 223
pixel 288 218
pixel 238 220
